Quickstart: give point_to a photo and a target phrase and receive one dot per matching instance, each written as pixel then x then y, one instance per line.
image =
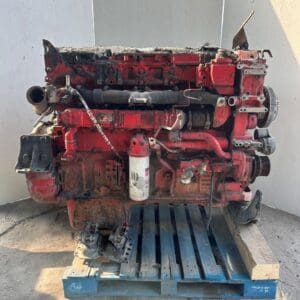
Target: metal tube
pixel 192 135
pixel 222 23
pixel 36 96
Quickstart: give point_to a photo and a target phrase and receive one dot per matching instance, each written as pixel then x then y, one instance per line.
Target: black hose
pixel 156 97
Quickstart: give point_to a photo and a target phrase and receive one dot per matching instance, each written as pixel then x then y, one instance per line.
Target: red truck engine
pixel 123 125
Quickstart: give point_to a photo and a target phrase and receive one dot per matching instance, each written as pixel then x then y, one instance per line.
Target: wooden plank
pixel 79 268
pixel 229 253
pixel 169 267
pixel 280 295
pixel 211 270
pixel 259 259
pixel 129 269
pixel 149 268
pixel 187 253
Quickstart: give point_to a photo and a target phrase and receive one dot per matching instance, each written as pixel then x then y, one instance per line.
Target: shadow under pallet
pixel 174 255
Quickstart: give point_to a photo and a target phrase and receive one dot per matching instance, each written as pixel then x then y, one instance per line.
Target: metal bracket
pixel 93 244
pixel 246 109
pixel 255 71
pixel 249 144
pixel 35 154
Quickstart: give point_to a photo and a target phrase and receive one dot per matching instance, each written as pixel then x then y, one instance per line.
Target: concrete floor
pixel 36 246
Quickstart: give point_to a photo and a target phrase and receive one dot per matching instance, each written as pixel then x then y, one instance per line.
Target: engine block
pixel 154 125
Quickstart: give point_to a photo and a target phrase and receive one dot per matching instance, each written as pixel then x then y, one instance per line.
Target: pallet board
pixel 173 254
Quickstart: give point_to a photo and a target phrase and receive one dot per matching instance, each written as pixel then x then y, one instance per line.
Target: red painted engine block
pixel 153 125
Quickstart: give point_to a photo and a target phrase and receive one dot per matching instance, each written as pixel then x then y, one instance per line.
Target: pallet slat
pixel 211 270
pixel 187 254
pixel 229 253
pixel 149 267
pixel 169 267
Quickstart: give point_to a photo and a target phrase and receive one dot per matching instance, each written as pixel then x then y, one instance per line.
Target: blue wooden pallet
pixel 172 255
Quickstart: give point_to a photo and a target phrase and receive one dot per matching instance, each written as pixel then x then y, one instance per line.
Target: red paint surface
pixel 94 182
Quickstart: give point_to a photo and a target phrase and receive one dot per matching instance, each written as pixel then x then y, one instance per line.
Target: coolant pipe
pixel 196 136
pixel 205 141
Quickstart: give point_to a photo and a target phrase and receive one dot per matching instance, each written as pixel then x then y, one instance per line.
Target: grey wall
pixel 275 26
pixel 142 23
pixel 23 25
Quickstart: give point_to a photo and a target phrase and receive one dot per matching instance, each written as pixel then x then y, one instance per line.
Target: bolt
pixel 167 175
pixel 221 101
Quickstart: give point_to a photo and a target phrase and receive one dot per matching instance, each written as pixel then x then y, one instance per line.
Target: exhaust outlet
pixel 37 97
